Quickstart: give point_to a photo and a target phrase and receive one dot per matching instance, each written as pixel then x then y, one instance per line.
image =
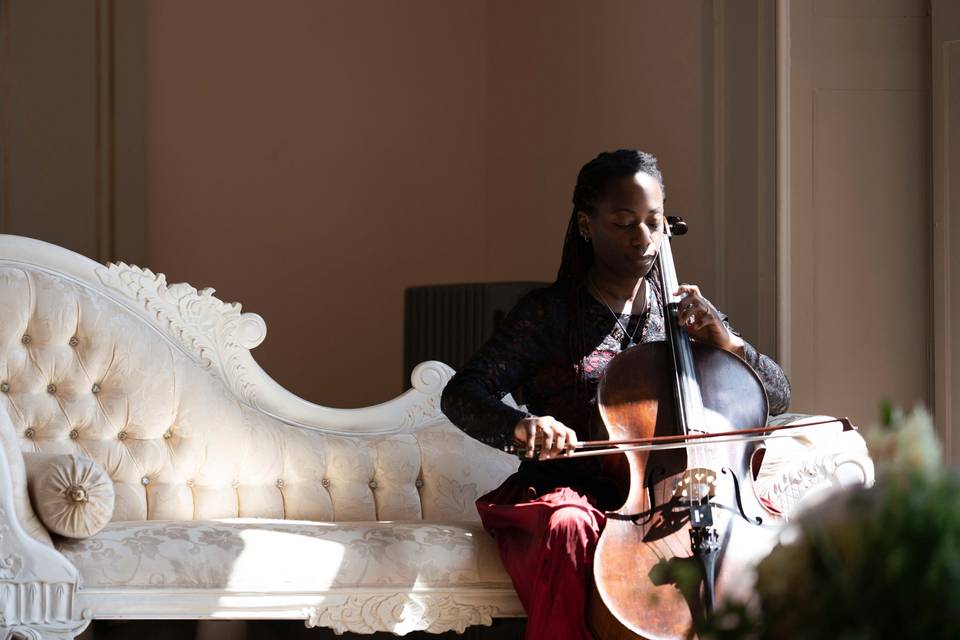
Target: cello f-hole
pixel 736 492
pixel 651 487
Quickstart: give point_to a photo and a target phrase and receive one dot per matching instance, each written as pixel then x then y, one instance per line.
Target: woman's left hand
pixel 703 322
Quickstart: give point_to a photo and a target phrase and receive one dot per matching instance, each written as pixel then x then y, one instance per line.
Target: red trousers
pixel 546 541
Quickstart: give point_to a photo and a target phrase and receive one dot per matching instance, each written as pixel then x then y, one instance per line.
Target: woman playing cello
pixel 555 343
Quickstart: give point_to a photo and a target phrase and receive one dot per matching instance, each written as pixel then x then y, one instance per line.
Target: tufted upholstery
pixel 81 374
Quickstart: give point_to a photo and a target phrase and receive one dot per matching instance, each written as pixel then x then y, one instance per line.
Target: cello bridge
pixel 694 485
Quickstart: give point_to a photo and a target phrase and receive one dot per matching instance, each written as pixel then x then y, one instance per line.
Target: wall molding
pixel 719 154
pixel 103 93
pixel 783 184
pixel 4 111
pixel 945 266
pixel 945 263
pixel 73 170
pixel 847 170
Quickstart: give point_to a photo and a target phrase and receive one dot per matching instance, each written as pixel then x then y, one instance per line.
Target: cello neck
pixel 686 388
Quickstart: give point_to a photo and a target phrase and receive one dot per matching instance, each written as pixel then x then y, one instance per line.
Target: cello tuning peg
pixel 678 225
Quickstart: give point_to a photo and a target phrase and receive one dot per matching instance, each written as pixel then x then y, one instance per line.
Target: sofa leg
pixel 54 631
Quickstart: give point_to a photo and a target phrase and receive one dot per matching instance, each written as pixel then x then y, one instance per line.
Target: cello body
pixel 646 579
pixel 689 531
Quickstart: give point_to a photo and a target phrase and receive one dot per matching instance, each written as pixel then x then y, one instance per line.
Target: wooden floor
pixel 502 629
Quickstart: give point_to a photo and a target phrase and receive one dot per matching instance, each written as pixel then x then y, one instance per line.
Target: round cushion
pixel 71 494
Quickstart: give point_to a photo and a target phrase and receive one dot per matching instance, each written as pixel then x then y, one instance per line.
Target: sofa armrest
pixel 802 469
pixel 14 465
pixel 71 494
pixel 37 583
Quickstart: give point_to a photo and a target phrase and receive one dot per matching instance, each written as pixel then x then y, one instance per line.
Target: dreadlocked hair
pixel 592 182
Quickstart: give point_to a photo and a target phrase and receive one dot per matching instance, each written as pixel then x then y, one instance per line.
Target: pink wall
pixel 570 79
pixel 312 159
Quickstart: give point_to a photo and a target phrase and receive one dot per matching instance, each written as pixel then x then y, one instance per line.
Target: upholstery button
pixel 28 433
pixel 4 386
pixel 74 341
pixel 74 434
pixel 419 482
pixel 144 480
pixel 167 434
pixel 95 388
pixel 326 483
pixel 51 388
pixel 26 339
pixel 122 435
pixel 76 494
pixel 372 484
pixel 281 484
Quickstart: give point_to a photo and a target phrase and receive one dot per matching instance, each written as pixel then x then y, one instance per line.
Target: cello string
pixel 678 340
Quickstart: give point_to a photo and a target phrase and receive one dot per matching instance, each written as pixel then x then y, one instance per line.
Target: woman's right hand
pixel 553 437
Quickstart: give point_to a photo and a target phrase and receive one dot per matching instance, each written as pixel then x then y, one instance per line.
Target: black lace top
pixel 530 349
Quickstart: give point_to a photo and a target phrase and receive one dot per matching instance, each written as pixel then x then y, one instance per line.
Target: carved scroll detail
pixel 215 333
pixel 428 378
pixel 807 475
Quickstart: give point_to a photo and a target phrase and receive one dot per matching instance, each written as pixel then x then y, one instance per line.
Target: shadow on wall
pixel 502 629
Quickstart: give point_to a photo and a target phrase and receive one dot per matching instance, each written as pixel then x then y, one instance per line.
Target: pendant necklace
pixel 603 299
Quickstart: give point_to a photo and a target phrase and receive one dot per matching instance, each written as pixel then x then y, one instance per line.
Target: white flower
pixel 908 444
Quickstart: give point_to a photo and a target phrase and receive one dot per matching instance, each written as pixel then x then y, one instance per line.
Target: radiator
pixel 449 322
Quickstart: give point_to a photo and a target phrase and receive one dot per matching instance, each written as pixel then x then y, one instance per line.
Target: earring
pixel 586 238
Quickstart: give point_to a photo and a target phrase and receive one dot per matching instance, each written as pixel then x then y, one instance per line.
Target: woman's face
pixel 627 227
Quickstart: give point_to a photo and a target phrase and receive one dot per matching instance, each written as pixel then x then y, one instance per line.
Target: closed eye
pixel 653 227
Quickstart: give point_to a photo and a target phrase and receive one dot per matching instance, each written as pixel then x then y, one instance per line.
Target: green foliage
pixel 886 414
pixel 869 563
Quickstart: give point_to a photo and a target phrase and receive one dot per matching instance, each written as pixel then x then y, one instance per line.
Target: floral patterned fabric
pixel 277 555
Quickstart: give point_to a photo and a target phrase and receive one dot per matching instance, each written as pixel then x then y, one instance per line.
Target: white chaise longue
pixel 149 468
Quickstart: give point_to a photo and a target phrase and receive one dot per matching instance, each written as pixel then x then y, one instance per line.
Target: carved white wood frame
pixel 811 474
pixel 219 337
pixel 37 584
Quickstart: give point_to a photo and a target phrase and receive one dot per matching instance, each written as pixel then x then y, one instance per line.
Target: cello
pixel 687 533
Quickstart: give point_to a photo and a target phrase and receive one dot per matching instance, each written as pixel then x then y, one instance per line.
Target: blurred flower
pixel 866 563
pixel 903 444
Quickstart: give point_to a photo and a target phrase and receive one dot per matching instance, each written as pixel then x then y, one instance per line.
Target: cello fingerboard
pixel 686 388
